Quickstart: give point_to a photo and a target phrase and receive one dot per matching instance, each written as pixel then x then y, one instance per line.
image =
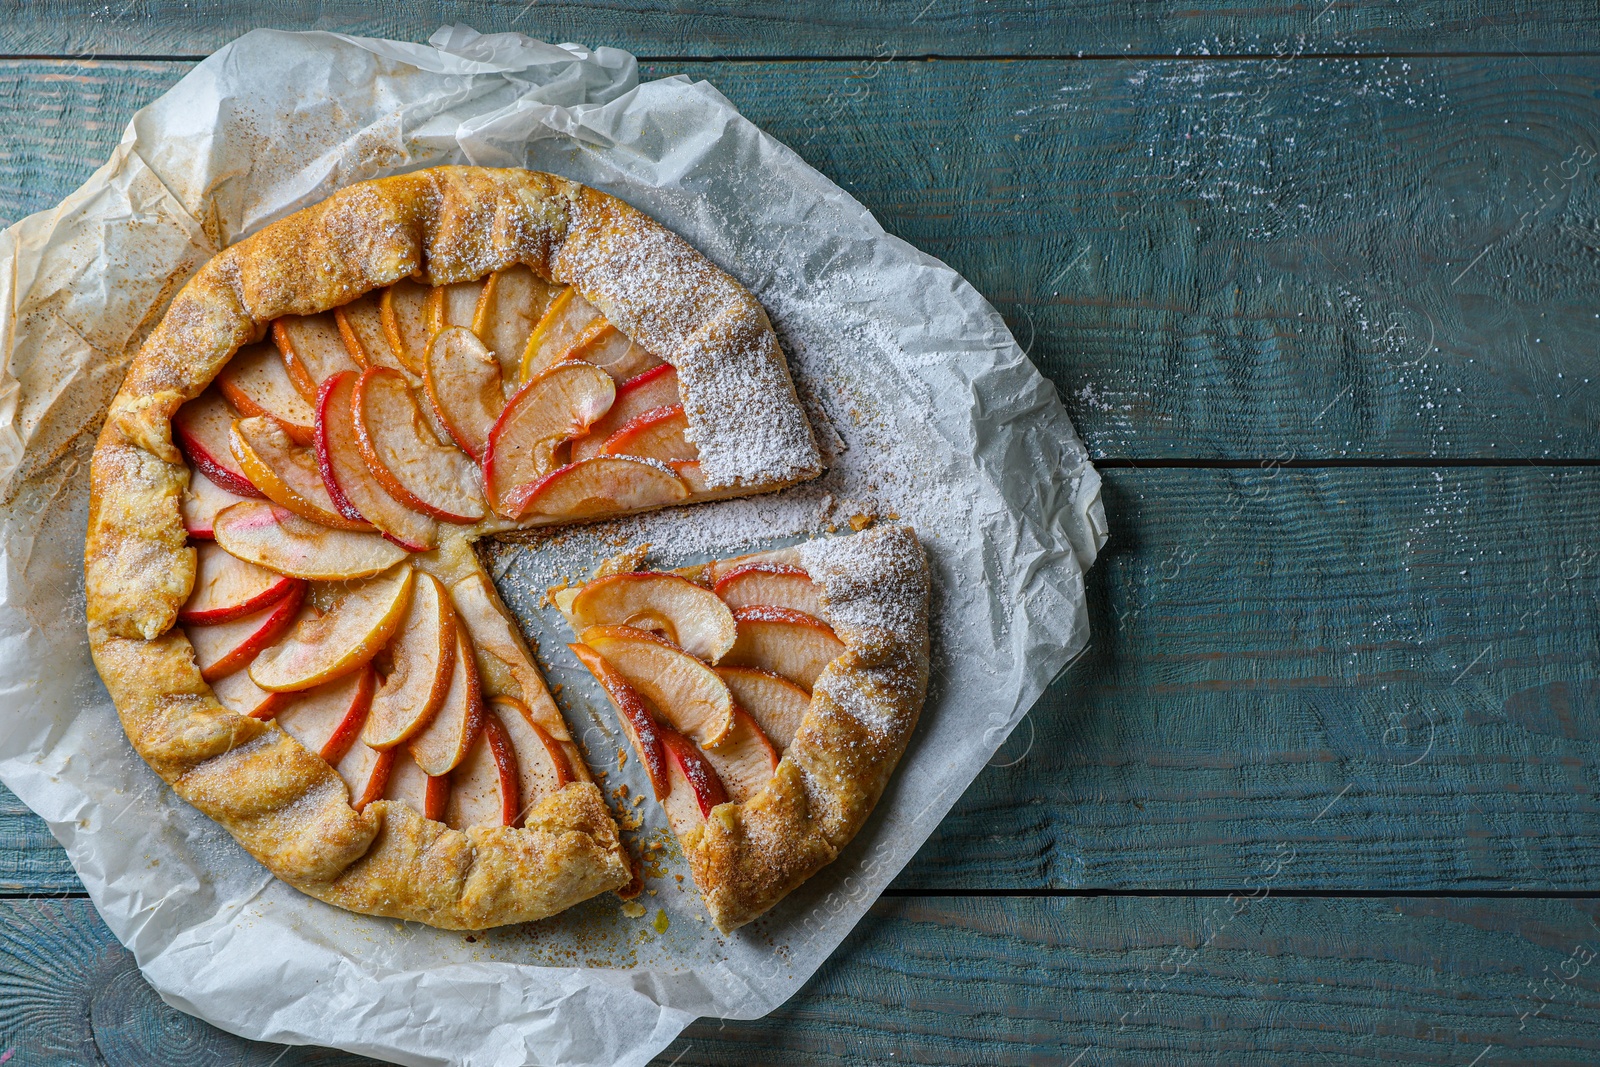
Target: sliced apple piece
pixel 484 788
pixel 699 488
pixel 603 486
pixel 287 473
pixel 409 784
pixel 420 663
pixel 361 327
pixel 511 304
pixel 280 540
pixel 521 445
pixel 562 324
pixel 776 704
pixel 328 719
pixel 634 714
pixel 203 428
pixel 256 382
pixel 225 647
pixel 608 348
pixel 443 743
pixel 791 643
pixel 352 488
pixel 690 616
pixel 454 305
pixel 661 434
pixel 542 765
pixel 462 381
pixel 404 309
pixel 366 772
pixel 330 642
pixel 405 457
pixel 505 666
pixel 695 790
pixel 656 388
pixel 685 692
pixel 777 585
pixel 201 502
pixel 237 692
pixel 226 588
pixel 312 350
pixel 745 759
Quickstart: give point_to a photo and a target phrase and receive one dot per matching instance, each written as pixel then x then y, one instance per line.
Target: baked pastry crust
pixel 746 856
pixel 283 804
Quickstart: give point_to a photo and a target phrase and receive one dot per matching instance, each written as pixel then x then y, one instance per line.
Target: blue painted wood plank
pixel 1013 981
pixel 1314 260
pixel 1389 673
pixel 841 27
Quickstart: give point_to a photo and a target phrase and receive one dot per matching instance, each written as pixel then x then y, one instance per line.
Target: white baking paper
pixel 926 408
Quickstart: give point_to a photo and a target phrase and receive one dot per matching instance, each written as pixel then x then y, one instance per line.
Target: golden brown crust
pixel 286 806
pixel 864 708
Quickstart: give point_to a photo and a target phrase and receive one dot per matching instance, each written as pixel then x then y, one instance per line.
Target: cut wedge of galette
pixel 768 698
pixel 284 600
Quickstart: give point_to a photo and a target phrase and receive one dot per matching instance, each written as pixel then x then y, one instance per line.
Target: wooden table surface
pixel 1318 284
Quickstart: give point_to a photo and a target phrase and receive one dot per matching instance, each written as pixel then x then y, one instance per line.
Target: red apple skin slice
pixel 661 435
pixel 327 720
pixel 287 473
pixel 604 346
pixel 555 407
pixel 438 747
pixel 330 644
pixel 484 788
pixel 361 328
pixel 655 388
pixel 776 704
pixel 422 659
pixel 462 381
pixel 696 789
pixel 279 540
pixel 226 588
pixel 745 759
pixel 404 308
pixel 682 690
pixel 688 615
pixel 542 766
pixel 790 643
pixel 635 716
pixel 437 800
pixel 312 349
pixel 597 488
pixel 773 584
pixel 256 382
pixel 366 772
pixel 237 692
pixel 225 647
pixel 510 306
pixel 352 488
pixel 203 428
pixel 201 502
pixel 405 457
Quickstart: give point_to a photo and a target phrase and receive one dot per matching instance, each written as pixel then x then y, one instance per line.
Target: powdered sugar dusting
pixel 874 584
pixel 741 406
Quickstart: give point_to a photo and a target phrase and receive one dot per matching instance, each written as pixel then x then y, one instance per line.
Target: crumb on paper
pixel 626 562
pixel 860 521
pixel 622 757
pixel 633 909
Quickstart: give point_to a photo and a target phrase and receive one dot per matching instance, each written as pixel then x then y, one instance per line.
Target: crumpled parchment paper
pixel 926 407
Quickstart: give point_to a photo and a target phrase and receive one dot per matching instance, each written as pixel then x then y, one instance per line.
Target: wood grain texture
pixel 1390 673
pixel 823 28
pixel 1142 982
pixel 1310 259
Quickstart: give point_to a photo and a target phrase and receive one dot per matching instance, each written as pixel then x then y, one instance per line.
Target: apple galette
pixel 285 605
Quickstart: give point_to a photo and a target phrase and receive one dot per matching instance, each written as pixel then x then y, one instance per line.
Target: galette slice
pixel 768 698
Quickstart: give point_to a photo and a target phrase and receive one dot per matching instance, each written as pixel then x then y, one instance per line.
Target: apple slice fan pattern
pixel 285 604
